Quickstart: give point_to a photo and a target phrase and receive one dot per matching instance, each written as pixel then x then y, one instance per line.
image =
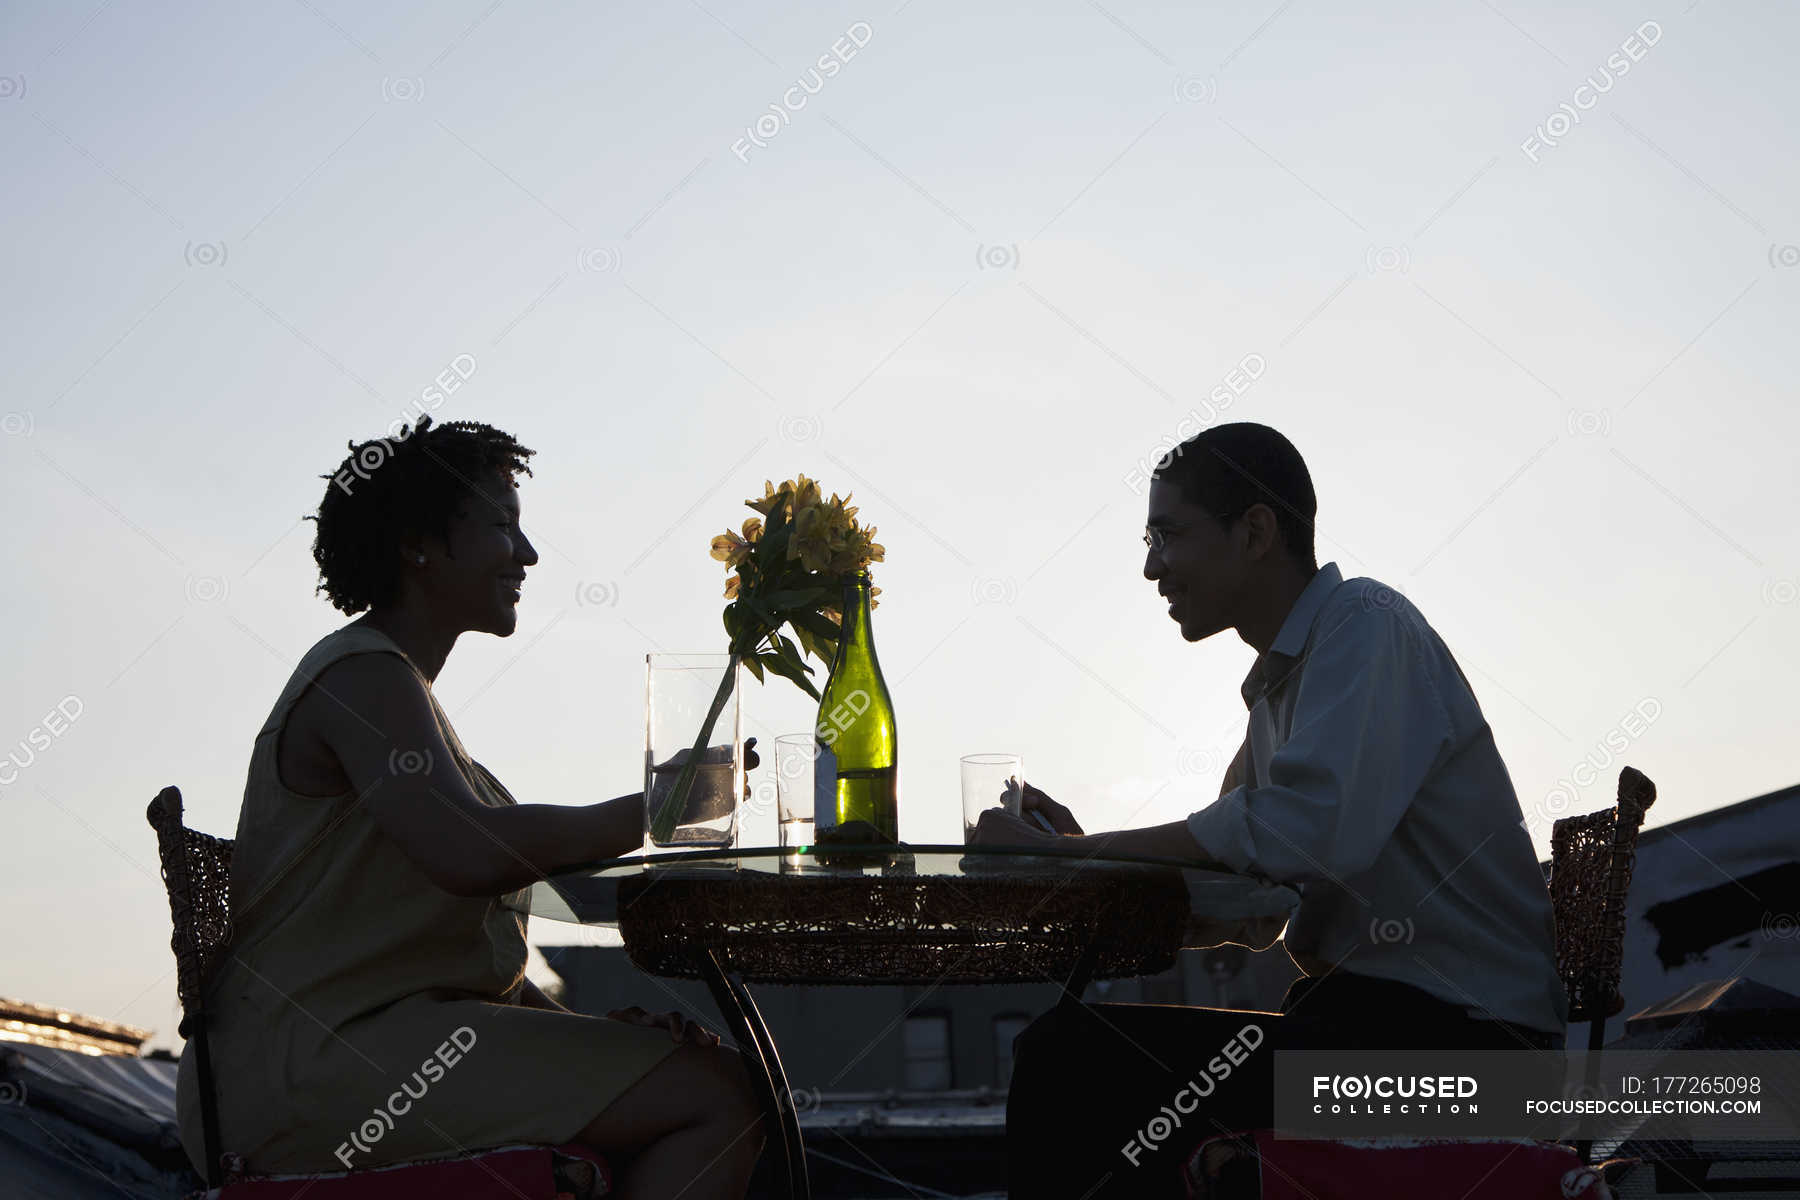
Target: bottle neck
pixel 856 641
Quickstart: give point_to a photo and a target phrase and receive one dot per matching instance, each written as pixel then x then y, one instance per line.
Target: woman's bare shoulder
pixel 372 693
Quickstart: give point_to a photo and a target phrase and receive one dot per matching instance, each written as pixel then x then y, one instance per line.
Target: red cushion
pixel 513 1173
pixel 1498 1169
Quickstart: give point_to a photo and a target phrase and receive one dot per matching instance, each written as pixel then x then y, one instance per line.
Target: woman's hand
pixel 680 1028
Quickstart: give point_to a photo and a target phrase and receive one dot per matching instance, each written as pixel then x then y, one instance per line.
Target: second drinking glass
pixel 990 781
pixel 795 754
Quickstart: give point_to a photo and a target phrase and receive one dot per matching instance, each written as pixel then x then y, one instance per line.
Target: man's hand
pixel 997 827
pixel 1061 819
pixel 680 1028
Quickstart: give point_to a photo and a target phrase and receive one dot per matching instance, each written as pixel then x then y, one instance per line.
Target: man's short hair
pixel 1227 468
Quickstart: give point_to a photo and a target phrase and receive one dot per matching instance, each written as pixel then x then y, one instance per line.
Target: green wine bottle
pixel 856 776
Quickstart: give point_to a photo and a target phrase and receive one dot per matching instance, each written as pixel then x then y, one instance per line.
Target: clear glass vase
pixel 681 692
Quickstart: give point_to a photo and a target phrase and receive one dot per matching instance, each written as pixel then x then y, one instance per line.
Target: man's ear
pixel 1263 531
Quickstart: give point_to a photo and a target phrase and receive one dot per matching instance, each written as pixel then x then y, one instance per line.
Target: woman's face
pixel 475 580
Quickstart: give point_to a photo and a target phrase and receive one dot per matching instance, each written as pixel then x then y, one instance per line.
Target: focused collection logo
pixel 1370 1094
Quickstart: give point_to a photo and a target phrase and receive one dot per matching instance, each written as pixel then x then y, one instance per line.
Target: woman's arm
pixel 385 735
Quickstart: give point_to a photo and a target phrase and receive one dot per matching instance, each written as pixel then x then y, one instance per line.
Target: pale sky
pixel 979 279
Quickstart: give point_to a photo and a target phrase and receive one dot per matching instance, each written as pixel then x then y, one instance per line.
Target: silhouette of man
pixel 1368 780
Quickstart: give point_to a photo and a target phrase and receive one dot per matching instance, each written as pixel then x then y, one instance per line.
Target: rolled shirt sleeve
pixel 1368 727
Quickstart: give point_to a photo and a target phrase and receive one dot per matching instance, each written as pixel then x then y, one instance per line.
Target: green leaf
pixel 809 629
pixel 790 653
pixel 750 660
pixel 815 623
pixel 803 598
pixel 776 664
pixel 775 534
pixel 759 611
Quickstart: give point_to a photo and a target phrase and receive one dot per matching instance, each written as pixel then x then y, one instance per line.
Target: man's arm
pixel 1173 840
pixel 998 827
pixel 1369 726
pixel 1238 771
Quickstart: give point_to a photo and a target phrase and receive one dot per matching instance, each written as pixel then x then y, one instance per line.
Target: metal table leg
pixel 758 1048
pixel 1083 973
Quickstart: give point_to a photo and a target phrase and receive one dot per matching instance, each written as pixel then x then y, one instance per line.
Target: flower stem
pixel 662 827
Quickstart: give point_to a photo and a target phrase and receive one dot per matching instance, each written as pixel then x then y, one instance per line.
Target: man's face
pixel 1200 566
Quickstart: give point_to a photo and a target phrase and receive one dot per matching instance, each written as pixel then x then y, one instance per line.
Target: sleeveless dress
pixel 362 1016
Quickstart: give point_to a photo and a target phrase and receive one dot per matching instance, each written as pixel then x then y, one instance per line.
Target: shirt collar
pixel 1295 629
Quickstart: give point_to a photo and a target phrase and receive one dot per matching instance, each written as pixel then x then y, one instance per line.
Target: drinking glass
pixel 795 754
pixel 990 781
pixel 680 690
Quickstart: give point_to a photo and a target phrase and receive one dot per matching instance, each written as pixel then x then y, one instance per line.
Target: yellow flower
pixel 771 497
pixel 839 520
pixel 827 539
pixel 731 587
pixel 730 549
pixel 805 491
pixel 859 549
pixel 824 535
pixel 843 512
pixel 813 541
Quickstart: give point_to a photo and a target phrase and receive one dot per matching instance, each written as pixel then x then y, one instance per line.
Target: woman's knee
pixel 694 1087
pixel 733 1084
pixel 736 1120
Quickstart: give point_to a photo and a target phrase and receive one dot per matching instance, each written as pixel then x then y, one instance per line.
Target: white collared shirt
pixel 1369 780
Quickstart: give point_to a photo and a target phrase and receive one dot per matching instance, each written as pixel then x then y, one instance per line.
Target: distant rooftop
pixel 1688 824
pixel 1735 812
pixel 61 1029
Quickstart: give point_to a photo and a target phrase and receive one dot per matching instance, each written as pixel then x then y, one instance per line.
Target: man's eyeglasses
pixel 1156 536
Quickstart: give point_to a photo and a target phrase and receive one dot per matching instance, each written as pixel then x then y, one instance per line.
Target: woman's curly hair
pixel 396 488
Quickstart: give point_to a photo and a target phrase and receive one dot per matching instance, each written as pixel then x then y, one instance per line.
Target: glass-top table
pixel 919 914
pixel 908 914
